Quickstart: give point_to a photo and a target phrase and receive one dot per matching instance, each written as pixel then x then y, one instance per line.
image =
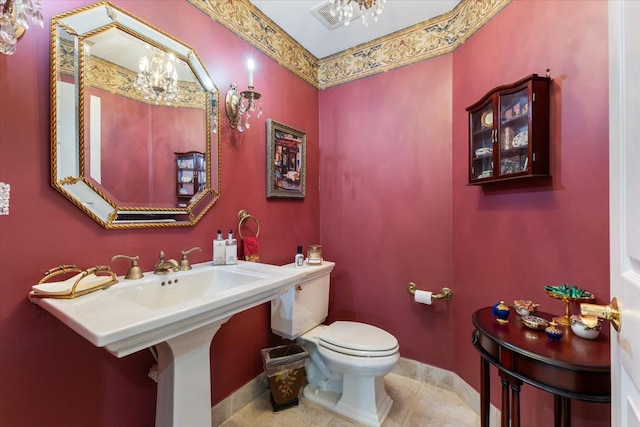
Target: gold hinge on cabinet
pixel 534 157
pixel 533 98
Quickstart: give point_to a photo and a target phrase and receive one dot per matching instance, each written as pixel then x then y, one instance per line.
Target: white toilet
pixel 348 359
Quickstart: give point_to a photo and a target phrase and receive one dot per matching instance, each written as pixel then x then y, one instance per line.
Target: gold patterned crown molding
pixel 428 39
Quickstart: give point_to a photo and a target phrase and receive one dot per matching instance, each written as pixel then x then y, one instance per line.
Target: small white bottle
pixel 231 249
pixel 299 259
pixel 219 250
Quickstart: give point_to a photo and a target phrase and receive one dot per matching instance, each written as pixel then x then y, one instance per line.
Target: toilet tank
pixel 305 305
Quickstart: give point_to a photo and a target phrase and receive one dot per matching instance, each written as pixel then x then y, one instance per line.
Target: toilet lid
pixel 358 339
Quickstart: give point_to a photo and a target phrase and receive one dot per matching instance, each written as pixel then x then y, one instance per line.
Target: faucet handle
pixel 134 272
pixel 184 263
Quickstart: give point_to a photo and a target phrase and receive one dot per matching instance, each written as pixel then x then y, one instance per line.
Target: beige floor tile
pixel 415 404
pixel 438 407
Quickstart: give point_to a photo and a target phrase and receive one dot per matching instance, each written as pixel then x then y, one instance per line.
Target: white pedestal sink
pixel 184 391
pixel 179 313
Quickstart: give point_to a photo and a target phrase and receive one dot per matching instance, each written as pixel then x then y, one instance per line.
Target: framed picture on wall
pixel 286 161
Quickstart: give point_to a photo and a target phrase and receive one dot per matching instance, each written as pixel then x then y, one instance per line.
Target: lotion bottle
pixel 299 259
pixel 219 250
pixel 231 249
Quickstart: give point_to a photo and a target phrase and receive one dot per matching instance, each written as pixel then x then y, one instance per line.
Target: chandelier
pixel 157 78
pixel 13 21
pixel 344 9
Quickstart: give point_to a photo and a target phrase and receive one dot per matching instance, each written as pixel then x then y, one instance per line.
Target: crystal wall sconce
pixel 240 105
pixel 13 21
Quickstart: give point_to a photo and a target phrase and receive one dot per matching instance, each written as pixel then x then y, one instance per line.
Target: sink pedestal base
pixel 184 379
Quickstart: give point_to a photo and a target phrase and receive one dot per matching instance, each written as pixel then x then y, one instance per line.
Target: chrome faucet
pixel 164 267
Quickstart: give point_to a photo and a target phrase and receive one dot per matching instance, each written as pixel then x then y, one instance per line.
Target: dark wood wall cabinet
pixel 190 177
pixel 509 132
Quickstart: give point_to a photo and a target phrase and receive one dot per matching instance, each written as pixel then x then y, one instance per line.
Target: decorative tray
pixel 486 119
pixel 520 140
pixel 534 322
pixel 568 293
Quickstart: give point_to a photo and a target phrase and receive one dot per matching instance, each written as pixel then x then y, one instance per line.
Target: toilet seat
pixel 358 339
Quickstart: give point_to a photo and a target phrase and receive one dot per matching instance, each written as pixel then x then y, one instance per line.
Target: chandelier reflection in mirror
pixel 344 9
pixel 240 105
pixel 13 21
pixel 157 77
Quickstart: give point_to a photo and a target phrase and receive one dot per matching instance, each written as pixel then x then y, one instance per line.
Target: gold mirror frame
pixel 72 36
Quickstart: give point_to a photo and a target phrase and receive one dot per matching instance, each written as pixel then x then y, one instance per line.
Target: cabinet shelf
pixel 521 118
pixel 484 131
pixel 517 144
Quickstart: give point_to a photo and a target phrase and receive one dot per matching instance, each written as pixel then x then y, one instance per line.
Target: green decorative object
pixel 567 293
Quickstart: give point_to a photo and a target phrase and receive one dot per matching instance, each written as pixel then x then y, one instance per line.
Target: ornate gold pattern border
pixel 249 23
pixel 422 41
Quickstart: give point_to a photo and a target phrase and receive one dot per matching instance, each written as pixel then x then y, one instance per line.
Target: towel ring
pixel 243 215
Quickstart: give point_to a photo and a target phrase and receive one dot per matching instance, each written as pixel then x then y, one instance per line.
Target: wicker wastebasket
pixel 285 369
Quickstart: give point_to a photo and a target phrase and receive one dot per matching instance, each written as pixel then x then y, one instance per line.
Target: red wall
pixel 51 376
pixel 385 210
pixel 511 241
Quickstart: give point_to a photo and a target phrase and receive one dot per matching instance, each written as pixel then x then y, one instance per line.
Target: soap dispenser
pixel 219 250
pixel 231 249
pixel 299 259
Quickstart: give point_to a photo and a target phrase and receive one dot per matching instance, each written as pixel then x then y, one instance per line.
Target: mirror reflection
pixel 134 123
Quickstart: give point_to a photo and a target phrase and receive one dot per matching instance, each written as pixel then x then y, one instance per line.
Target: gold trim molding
pixel 428 39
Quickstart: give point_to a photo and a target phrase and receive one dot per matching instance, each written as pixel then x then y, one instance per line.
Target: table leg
pixel 485 393
pixel 515 403
pixel 504 419
pixel 561 411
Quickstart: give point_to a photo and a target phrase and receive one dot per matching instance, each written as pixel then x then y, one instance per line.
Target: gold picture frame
pixel 286 161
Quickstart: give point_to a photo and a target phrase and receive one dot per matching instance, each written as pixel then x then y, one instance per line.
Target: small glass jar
pixel 314 254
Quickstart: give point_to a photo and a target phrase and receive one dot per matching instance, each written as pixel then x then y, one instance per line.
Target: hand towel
pixel 250 249
pixel 64 287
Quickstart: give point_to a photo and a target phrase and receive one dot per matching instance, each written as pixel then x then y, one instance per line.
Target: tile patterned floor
pixel 415 403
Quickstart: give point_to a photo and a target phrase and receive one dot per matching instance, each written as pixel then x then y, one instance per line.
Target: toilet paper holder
pixel 445 293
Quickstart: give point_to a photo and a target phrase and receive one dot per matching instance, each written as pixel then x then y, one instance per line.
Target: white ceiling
pixel 295 17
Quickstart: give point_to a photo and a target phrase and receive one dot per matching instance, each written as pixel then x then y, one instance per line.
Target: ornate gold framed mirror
pixel 134 123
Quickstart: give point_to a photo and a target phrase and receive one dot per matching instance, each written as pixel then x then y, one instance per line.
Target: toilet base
pixel 363 399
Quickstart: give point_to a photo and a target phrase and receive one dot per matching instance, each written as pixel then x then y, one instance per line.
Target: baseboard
pixel 415 370
pixel 239 399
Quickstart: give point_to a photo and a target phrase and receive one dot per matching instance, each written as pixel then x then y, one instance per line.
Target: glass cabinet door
pixel 509 132
pixel 191 176
pixel 513 133
pixel 482 137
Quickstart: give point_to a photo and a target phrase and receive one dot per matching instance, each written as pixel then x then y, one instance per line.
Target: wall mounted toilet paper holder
pixel 445 293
